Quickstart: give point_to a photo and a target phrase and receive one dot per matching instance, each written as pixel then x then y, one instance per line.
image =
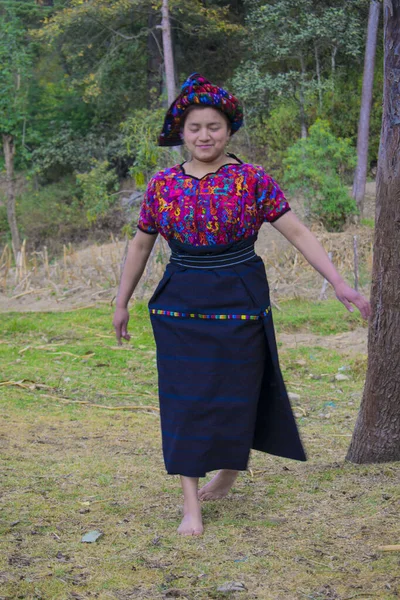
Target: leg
pixel 219 486
pixel 192 523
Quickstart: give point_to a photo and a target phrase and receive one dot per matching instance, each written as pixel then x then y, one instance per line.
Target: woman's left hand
pixel 348 296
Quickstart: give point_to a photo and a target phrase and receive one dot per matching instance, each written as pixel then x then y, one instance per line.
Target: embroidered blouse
pixel 228 205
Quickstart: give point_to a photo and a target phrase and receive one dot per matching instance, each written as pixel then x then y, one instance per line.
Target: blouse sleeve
pixel 271 200
pixel 146 220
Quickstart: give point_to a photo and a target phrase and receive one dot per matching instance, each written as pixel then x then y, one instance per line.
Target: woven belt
pixel 212 261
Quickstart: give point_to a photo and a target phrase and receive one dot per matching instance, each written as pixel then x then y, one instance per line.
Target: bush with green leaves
pixel 273 133
pixel 96 189
pixel 320 166
pixel 50 215
pixel 65 152
pixel 141 132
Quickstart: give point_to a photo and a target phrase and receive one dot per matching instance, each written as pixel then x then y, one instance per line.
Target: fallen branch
pixel 26 384
pixel 389 548
pixel 29 292
pixel 85 402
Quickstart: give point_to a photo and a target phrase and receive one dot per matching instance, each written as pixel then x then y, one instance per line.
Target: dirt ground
pixel 350 342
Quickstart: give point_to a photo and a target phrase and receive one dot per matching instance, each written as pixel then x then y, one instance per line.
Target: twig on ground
pixel 357 595
pixel 92 404
pixel 37 291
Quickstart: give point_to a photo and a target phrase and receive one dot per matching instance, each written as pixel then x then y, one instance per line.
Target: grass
pixel 288 531
pixel 323 318
pixel 368 223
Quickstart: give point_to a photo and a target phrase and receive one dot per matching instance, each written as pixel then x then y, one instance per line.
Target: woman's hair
pixel 193 107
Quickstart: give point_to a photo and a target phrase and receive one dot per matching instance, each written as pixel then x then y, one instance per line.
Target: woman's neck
pixel 199 168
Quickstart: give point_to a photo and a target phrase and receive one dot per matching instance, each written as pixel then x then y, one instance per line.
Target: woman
pixel 220 386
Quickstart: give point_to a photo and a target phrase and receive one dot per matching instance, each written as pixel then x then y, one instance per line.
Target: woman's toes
pixel 191 525
pixel 198 532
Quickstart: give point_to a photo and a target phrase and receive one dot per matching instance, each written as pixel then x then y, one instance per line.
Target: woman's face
pixel 206 133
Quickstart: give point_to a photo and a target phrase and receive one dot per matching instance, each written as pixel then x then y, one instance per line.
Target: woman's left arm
pixel 306 242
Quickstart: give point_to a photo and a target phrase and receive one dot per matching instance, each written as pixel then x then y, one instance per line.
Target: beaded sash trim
pixel 223 317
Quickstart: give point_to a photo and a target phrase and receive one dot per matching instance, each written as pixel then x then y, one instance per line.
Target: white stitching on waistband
pixel 202 257
pixel 198 260
pixel 215 266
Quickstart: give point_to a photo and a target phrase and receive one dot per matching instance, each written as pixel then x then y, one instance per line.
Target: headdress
pixel 198 91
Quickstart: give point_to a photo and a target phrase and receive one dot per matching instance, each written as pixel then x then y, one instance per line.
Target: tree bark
pixel 360 175
pixel 376 437
pixel 168 53
pixel 9 152
pixel 333 73
pixel 154 61
pixel 318 69
pixel 302 99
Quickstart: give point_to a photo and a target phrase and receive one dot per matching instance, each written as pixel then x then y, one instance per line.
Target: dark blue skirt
pixel 220 385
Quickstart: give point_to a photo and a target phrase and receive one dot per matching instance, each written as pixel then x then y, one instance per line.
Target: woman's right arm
pixel 138 253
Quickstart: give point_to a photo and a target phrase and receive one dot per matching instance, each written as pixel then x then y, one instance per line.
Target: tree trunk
pixel 9 151
pixel 168 54
pixel 154 62
pixel 318 69
pixel 360 175
pixel 376 436
pixel 333 73
pixel 302 100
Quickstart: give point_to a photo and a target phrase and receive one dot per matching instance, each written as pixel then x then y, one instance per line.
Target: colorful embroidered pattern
pixel 197 90
pixel 222 207
pixel 224 317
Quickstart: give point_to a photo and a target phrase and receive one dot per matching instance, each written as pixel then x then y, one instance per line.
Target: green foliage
pixel 274 133
pixel 283 41
pixel 49 213
pixel 84 80
pixel 293 53
pixel 318 166
pixel 343 109
pixel 5 236
pixel 102 47
pixel 209 36
pixel 112 50
pixel 140 133
pixel 67 151
pixel 15 72
pixel 96 188
pixel 54 103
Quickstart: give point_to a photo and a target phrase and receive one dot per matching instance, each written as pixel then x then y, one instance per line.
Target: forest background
pixel 83 93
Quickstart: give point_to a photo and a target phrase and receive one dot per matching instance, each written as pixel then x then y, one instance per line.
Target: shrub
pixel 272 134
pixel 50 215
pixel 66 152
pixel 319 166
pixel 96 189
pixel 141 133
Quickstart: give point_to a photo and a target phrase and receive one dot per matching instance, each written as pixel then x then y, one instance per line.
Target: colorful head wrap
pixel 197 90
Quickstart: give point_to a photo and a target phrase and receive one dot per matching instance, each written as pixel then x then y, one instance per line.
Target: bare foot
pixel 219 486
pixel 192 524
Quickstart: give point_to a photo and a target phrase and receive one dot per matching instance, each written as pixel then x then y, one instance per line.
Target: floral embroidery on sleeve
pixel 271 200
pixel 147 221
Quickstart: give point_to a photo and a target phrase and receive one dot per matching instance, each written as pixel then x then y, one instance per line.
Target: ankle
pixel 229 473
pixel 191 506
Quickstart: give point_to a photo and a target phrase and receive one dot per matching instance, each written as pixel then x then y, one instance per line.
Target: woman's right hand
pixel 120 323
